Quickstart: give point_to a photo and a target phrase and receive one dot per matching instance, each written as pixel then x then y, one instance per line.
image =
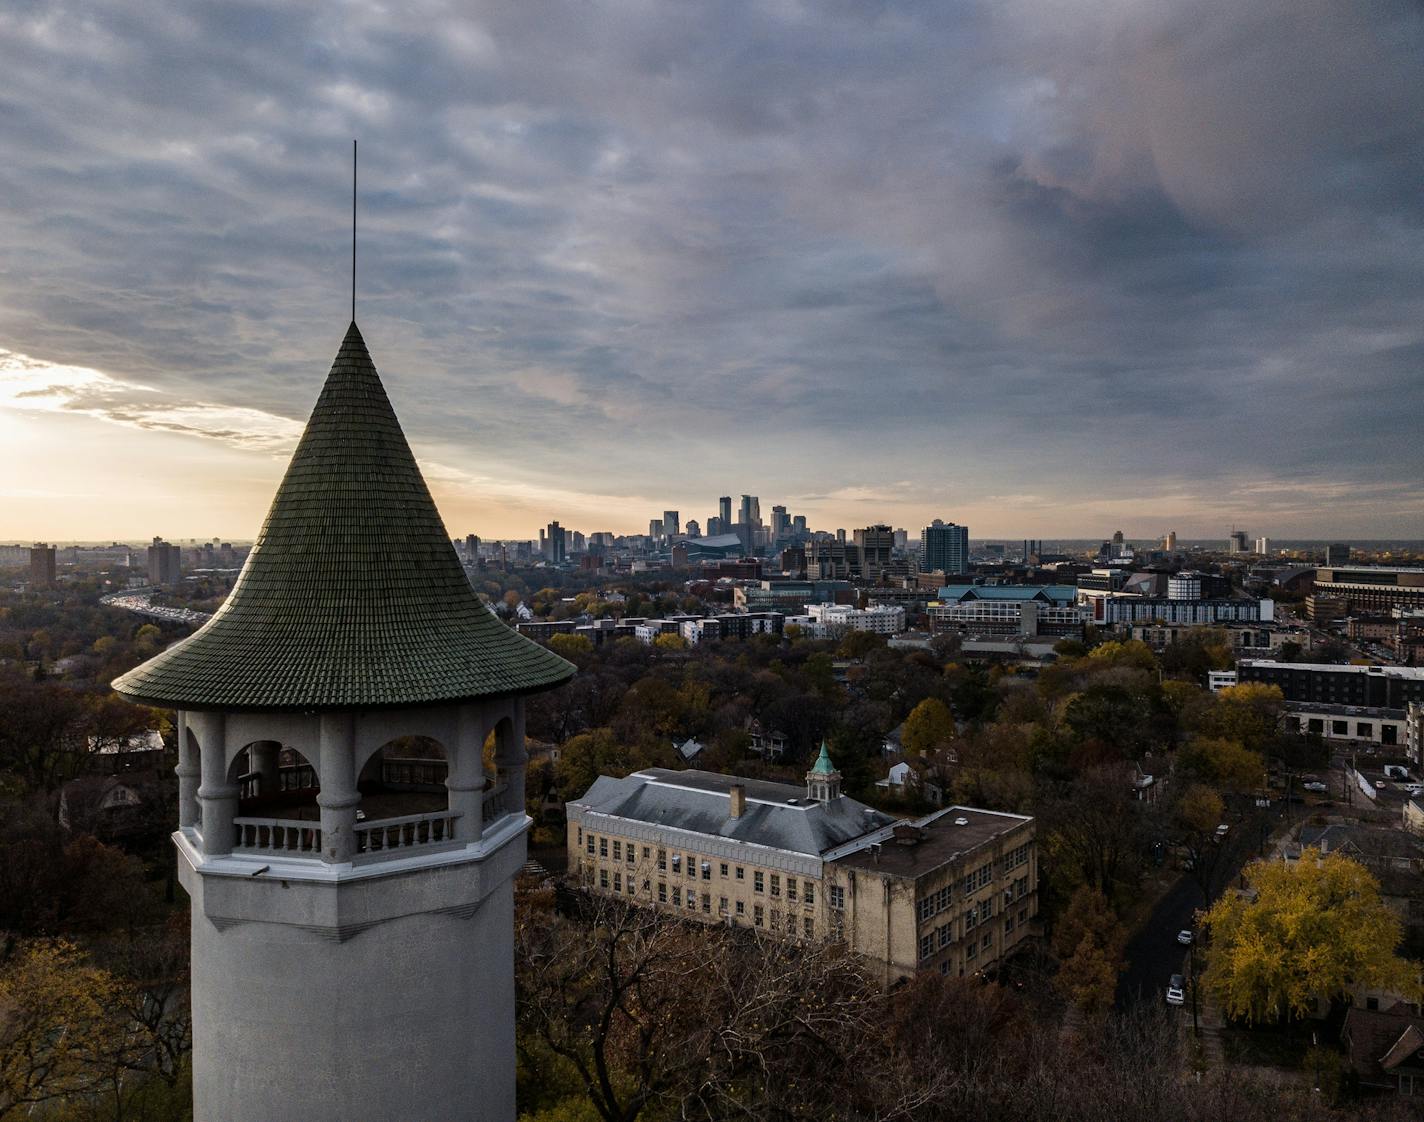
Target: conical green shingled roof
pixel 353 596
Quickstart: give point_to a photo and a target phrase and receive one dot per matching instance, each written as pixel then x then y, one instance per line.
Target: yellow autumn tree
pixel 1225 764
pixel 60 1025
pixel 1315 929
pixel 929 725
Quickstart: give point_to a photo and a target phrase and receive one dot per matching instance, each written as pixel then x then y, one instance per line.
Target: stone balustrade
pixel 276 835
pixel 406 832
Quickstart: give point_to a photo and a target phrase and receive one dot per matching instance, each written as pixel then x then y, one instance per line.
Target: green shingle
pixel 353 596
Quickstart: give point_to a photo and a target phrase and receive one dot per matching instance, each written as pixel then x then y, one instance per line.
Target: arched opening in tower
pixel 277 798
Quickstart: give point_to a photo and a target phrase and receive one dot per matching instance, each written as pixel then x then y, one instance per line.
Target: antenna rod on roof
pixel 353 231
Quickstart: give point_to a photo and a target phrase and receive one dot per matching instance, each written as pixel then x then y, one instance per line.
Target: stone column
pixel 189 772
pixel 264 755
pixel 465 774
pixel 217 798
pixel 510 756
pixel 338 797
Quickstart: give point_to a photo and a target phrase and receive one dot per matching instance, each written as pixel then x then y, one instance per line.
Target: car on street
pixel 1176 995
pixel 1184 936
pixel 1315 785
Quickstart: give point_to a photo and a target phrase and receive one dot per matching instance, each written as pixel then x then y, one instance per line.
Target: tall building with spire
pixel 349 860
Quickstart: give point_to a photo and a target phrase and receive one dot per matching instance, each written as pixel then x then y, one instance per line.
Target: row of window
pixel 1016 857
pixel 934 903
pixel 804 891
pixel 978 878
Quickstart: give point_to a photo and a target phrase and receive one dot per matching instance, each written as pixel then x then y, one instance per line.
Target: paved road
pixel 1154 954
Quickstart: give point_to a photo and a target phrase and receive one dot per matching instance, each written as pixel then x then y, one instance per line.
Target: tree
pixel 1250 713
pixel 600 752
pixel 670 642
pixel 1091 939
pixel 930 725
pixel 1316 929
pixel 57 1026
pixel 575 648
pixel 657 1015
pixel 1093 830
pixel 1224 764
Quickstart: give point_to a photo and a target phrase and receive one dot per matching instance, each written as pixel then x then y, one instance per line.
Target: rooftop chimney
pixel 739 800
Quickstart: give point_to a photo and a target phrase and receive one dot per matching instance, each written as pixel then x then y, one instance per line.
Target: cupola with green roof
pixel 823 781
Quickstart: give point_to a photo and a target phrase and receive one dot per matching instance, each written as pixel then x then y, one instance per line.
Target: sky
pixel 1048 268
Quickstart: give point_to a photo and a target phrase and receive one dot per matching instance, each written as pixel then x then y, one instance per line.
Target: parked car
pixel 1221 831
pixel 1176 994
pixel 1184 937
pixel 1316 786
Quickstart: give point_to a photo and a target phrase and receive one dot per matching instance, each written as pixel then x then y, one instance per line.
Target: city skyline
pixel 1037 275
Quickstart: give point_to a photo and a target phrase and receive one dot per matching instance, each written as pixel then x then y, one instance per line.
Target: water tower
pixel 348 852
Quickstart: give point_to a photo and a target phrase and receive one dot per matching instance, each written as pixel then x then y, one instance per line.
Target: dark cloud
pixel 1108 251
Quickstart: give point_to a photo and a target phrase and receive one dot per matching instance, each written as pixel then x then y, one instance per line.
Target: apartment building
pixel 827 621
pixel 953 891
pixel 1382 687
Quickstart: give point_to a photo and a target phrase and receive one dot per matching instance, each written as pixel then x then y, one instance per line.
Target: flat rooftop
pixel 941 841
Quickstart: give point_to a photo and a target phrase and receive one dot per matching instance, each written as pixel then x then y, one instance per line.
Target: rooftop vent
pixel 793 802
pixel 961 821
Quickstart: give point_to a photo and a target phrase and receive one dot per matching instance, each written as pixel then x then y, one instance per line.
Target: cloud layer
pixel 1036 267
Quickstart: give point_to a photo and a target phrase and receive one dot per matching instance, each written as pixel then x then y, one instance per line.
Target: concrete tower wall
pixel 333 1007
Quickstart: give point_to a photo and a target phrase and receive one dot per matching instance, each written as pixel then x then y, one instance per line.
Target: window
pixel 791 889
pixel 631 849
pixel 776 884
pixel 757 916
pixel 926 946
pixel 741 908
pixel 971 918
pixel 590 845
pixel 603 847
pixel 1340 728
pixel 837 897
pixel 646 853
pixel 944 968
pixel 758 881
pixel 808 925
pixel 988 942
pixel 1008 925
pixel 676 896
pixel 933 903
pixel 662 892
pixel 972 951
pixel 580 835
pixel 677 862
pixel 617 882
pixel 810 893
pixel 602 878
pixel 724 870
pixel 1364 728
pixel 741 873
pixel 617 850
pixel 707 870
pixel 691 900
pixel 707 903
pixel 945 934
pixel 722 906
pixel 630 884
pixel 1023 915
pixel 662 859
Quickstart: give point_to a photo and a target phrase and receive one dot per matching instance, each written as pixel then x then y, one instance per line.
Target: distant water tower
pixel 350 862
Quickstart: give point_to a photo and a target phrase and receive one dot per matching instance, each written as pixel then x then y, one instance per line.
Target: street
pixel 1154 954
